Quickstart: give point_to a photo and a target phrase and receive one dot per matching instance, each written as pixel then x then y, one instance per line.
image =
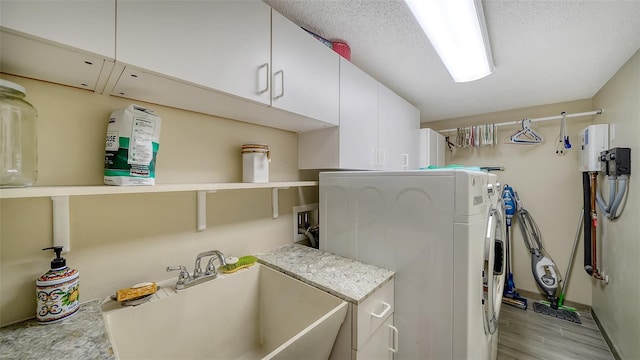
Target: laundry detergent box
pixel 133 139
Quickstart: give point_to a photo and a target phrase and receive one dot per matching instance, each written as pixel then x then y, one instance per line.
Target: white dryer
pixel 442 232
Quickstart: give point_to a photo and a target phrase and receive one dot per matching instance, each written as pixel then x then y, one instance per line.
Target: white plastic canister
pixel 255 163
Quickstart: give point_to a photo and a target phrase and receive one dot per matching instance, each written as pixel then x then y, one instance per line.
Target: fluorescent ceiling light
pixel 457 30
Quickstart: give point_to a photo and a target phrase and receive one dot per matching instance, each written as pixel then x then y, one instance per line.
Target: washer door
pixel 493 272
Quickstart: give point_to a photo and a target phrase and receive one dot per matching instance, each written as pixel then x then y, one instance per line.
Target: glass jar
pixel 18 140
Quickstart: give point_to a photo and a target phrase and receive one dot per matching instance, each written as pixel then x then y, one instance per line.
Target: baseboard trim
pixel 612 348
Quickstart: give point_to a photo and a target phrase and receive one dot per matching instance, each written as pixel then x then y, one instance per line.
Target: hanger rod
pixel 555 117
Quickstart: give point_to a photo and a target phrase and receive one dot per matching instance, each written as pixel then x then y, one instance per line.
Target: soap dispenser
pixel 57 291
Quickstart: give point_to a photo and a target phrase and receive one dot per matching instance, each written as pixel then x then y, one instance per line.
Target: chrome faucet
pixel 185 280
pixel 210 269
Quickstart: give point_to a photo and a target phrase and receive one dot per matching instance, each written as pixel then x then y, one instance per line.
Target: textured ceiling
pixel 544 51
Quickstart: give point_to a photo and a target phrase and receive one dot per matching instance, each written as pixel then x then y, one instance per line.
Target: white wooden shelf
pixel 49 191
pixel 60 199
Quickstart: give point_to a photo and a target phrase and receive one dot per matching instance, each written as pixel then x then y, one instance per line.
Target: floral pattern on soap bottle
pixel 58 301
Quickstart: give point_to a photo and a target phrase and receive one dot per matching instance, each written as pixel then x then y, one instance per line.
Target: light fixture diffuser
pixel 458 32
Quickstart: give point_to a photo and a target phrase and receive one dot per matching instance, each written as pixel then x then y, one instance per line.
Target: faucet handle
pixel 183 277
pixel 211 267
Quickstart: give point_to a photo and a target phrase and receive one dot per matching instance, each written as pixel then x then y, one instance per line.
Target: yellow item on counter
pixel 136 291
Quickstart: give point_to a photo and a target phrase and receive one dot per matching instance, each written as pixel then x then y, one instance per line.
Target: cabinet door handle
pixel 384 312
pixel 405 160
pixel 381 158
pixel 266 78
pixel 394 345
pixel 281 72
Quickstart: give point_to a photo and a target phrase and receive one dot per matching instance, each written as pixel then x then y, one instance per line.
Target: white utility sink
pixel 256 313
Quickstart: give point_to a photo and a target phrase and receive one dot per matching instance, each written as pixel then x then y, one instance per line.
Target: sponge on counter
pixel 237 264
pixel 136 291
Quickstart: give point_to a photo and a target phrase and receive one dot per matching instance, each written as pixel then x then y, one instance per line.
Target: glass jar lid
pixel 12 86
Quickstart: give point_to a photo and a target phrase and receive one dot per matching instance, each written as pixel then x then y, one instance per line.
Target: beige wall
pixel 616 304
pixel 120 240
pixel 548 185
pixel 550 188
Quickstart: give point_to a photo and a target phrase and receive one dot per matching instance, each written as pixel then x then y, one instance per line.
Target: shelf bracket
pixel 274 201
pixel 61 229
pixel 201 209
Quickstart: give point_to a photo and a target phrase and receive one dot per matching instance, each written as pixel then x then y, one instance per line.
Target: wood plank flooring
pixel 530 335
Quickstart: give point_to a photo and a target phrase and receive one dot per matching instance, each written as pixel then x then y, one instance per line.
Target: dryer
pixel 442 232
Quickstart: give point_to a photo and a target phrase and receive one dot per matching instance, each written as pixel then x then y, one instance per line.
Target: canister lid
pixel 255 147
pixel 13 86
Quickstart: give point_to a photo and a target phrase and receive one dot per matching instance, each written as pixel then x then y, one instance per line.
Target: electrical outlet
pixel 303 217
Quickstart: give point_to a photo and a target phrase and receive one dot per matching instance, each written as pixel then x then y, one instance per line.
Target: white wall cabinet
pixel 222 45
pixel 194 63
pixel 378 130
pixel 432 148
pixel 398 132
pixel 354 143
pixel 212 57
pixel 305 73
pixel 86 25
pixel 65 42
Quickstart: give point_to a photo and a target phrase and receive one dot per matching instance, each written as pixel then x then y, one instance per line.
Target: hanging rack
pixel 556 117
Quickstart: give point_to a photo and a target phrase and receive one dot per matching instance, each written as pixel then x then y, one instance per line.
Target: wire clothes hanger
pixel 525 136
pixel 562 141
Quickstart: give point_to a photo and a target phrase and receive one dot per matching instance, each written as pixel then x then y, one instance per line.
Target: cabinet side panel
pixel 319 149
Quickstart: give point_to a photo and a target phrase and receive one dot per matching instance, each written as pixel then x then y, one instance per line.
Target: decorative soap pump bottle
pixel 57 291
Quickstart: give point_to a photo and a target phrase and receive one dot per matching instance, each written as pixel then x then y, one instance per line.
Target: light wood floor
pixel 530 335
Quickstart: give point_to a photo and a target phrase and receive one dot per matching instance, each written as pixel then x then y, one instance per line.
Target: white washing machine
pixel 442 232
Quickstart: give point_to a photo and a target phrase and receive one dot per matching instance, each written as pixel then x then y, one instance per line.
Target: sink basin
pixel 256 313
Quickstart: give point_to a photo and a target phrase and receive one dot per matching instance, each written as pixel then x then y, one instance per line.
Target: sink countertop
pixel 81 336
pixel 347 279
pixel 84 335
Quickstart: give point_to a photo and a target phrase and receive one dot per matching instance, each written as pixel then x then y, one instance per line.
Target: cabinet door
pixel 432 148
pixel 87 25
pixel 398 132
pixel 358 118
pixel 382 344
pixel 410 155
pixel 222 45
pixel 305 73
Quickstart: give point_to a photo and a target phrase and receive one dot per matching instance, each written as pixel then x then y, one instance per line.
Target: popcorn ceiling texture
pixel 544 51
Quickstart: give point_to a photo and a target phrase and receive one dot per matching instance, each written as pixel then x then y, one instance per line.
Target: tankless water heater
pixel 594 139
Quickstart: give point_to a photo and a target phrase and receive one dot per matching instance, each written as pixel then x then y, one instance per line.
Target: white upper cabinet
pixel 65 42
pixel 398 132
pixel 358 118
pixel 221 45
pixel 305 73
pixel 378 129
pixel 88 25
pixel 353 145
